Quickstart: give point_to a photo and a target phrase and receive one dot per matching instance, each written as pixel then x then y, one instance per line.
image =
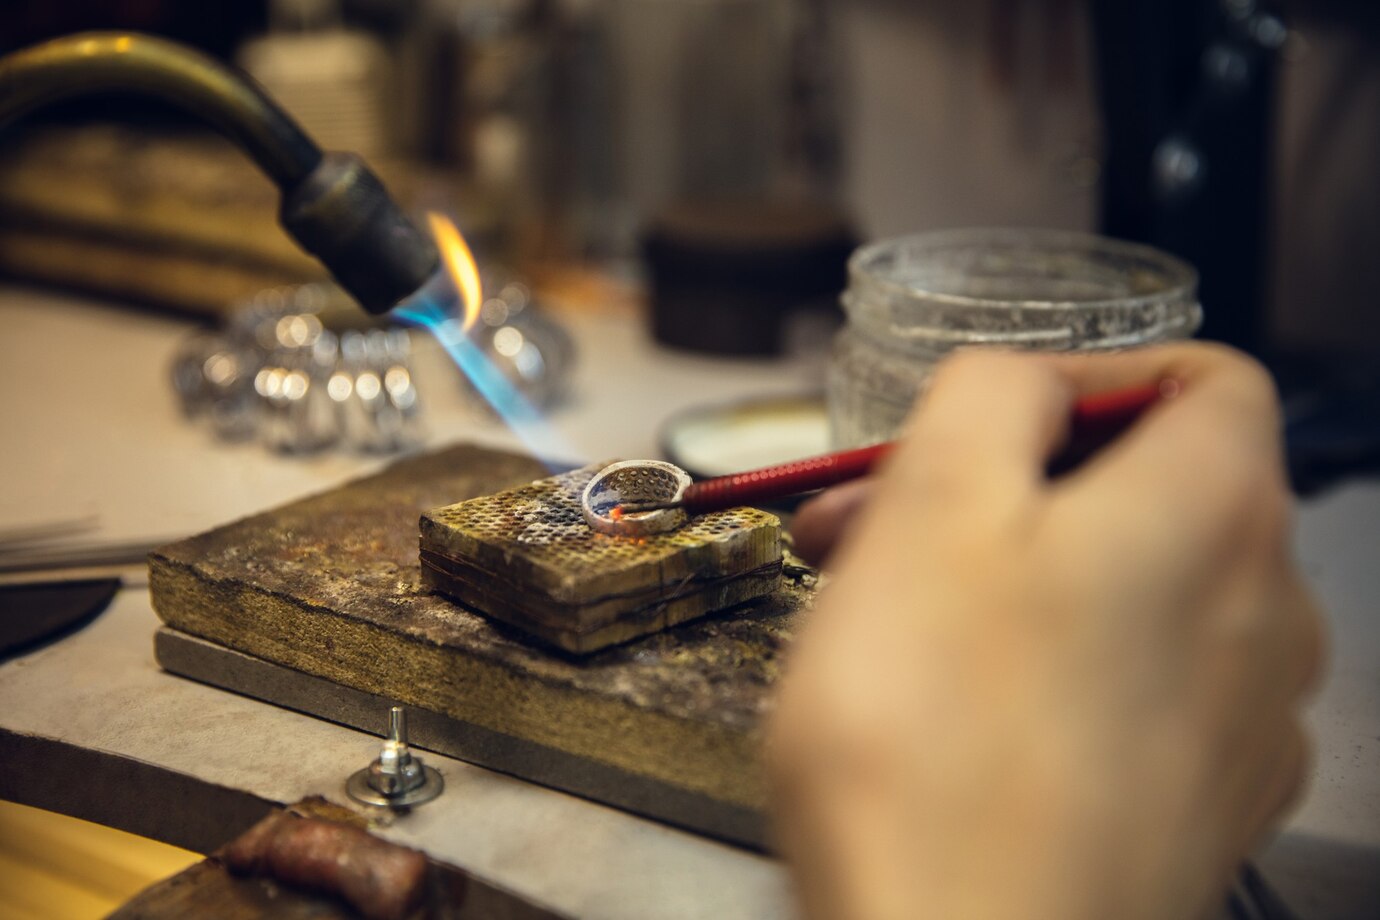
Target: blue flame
pixel 523 418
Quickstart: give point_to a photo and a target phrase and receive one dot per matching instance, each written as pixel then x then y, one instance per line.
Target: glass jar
pixel 912 300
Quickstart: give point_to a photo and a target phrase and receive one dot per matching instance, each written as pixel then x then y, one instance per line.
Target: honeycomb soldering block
pixel 526 557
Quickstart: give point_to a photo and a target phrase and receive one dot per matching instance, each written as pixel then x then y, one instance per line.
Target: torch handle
pixel 1094 421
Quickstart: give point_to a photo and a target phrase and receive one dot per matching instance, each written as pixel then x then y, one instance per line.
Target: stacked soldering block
pixel 526 557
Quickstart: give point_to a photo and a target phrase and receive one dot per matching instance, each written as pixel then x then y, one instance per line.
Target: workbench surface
pixel 90 726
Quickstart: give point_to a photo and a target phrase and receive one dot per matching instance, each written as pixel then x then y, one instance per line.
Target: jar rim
pixel 1180 278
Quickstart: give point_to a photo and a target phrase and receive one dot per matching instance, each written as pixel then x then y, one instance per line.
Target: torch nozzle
pixel 341 213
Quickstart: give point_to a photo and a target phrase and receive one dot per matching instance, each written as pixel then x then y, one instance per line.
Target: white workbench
pixel 90 425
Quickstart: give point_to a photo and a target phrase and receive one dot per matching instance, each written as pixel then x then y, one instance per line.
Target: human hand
pixel 821 523
pixel 1052 699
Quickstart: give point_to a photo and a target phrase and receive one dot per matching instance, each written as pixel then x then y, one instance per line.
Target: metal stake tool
pixel 396 778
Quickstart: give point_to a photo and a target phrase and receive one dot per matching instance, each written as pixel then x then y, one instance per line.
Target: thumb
pixel 823 521
pixel 988 419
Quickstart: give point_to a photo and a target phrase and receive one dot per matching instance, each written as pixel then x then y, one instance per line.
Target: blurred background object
pixel 1325 221
pixel 292 369
pixel 687 150
pixel 180 220
pixel 913 300
pixel 335 81
pixel 56 866
pixel 1187 95
pixel 529 347
pixel 692 172
pixel 217 26
pixel 1050 112
pixel 721 99
pixel 1239 134
pixel 723 439
pixel 729 276
pixel 481 95
pixel 300 370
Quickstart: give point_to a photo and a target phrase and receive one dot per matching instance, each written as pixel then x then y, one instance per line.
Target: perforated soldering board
pixel 320 606
pixel 526 556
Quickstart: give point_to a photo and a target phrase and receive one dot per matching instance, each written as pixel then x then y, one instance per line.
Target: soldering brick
pixel 526 557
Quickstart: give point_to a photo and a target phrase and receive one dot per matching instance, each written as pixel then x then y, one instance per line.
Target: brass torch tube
pixel 100 62
pixel 333 205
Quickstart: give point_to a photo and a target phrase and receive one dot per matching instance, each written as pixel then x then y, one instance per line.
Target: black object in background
pixel 30 614
pixel 214 26
pixel 725 275
pixel 1331 423
pixel 1187 91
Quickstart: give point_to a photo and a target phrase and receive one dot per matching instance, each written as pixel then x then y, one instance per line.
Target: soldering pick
pixel 1095 421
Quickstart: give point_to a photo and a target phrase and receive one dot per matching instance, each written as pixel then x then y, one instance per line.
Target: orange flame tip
pixel 459 261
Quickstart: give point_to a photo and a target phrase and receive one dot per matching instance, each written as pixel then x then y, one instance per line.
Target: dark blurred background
pixel 1241 134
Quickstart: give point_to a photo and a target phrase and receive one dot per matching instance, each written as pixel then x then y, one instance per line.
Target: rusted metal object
pixel 329 588
pixel 527 557
pixel 381 880
pixel 317 861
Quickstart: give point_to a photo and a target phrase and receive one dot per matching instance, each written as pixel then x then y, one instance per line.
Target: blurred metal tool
pixel 50 585
pixel 73 562
pixel 18 538
pixel 50 552
pixel 528 347
pixel 279 374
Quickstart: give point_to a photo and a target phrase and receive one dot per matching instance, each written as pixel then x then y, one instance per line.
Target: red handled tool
pixel 1096 420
